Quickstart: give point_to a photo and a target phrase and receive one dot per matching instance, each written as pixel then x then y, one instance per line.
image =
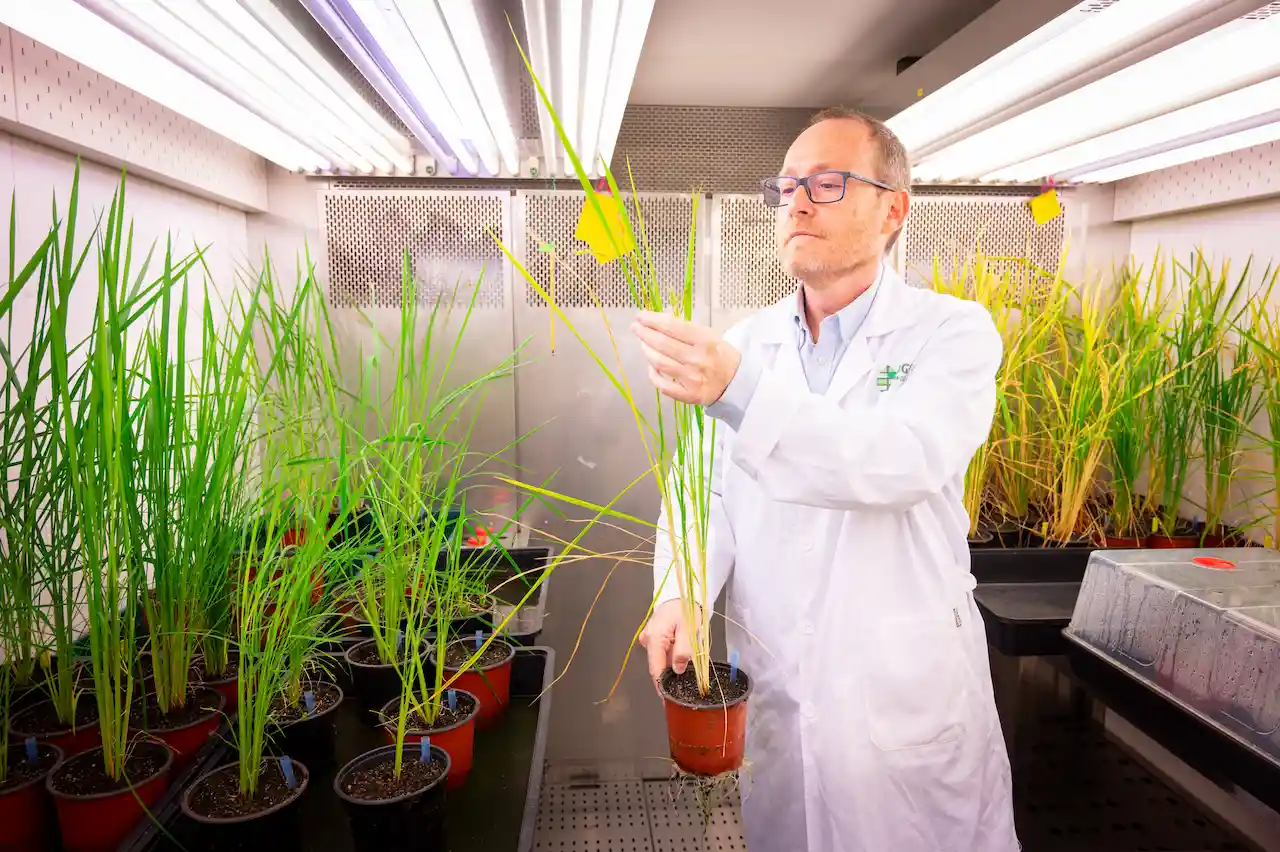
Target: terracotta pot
pixel 1118 542
pixel 98 822
pixel 457 740
pixel 71 742
pixel 703 740
pixel 273 828
pixel 186 741
pixel 28 822
pixel 491 685
pixel 1172 542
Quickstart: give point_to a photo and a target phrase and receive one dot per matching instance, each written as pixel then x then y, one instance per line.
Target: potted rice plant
pixel 1263 333
pixel 101 793
pixel 27 819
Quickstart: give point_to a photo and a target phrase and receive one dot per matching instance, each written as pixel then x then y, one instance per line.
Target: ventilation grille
pixel 951 231
pixel 550 220
pixel 449 237
pixel 748 274
pixel 1261 14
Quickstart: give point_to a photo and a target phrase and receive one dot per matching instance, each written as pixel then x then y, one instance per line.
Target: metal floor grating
pixel 632 816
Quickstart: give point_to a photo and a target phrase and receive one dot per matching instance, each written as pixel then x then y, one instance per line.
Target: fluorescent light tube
pixel 79 34
pixel 480 63
pixel 539 53
pixel 602 26
pixel 1072 43
pixel 1188 154
pixel 570 69
pixel 1204 117
pixel 1234 55
pixel 633 23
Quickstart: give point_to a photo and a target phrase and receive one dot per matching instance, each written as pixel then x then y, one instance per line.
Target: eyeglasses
pixel 822 187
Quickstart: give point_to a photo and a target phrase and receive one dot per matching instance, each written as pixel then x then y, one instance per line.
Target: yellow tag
pixel 1046 206
pixel 1155 525
pixel 600 236
pixel 1266 540
pixel 919 93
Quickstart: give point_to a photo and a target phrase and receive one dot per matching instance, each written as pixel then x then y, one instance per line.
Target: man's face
pixel 821 240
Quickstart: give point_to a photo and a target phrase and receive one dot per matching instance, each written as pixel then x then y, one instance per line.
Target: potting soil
pixel 85 775
pixel 446 718
pixel 456 655
pixel 218 796
pixel 146 712
pixel 21 770
pixel 367 655
pixel 42 719
pixel 326 696
pixel 684 687
pixel 377 782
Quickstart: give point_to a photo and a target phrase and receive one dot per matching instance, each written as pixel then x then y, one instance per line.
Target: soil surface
pixel 326 696
pixel 146 712
pixel 457 654
pixel 367 655
pixel 42 720
pixel 21 770
pixel 684 687
pixel 446 718
pixel 218 795
pixel 84 775
pixel 377 782
pixel 199 675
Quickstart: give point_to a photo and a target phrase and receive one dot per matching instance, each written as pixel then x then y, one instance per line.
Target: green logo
pixel 889 375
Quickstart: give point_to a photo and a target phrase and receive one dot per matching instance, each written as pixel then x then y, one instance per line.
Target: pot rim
pixel 164 769
pixel 61 732
pixel 510 655
pixel 187 811
pixel 369 757
pixel 332 708
pixel 347 655
pixel 58 755
pixel 475 711
pixel 208 714
pixel 688 705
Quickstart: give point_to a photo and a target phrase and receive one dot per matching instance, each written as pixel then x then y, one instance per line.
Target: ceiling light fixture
pixel 1187 154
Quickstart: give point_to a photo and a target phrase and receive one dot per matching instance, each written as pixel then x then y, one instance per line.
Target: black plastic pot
pixel 373 685
pixel 413 821
pixel 311 740
pixel 275 828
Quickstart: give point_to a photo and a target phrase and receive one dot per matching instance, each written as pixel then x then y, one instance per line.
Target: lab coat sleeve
pixel 720 542
pixel 805 448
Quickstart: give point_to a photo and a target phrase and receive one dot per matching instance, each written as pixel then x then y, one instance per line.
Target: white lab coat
pixel 838 525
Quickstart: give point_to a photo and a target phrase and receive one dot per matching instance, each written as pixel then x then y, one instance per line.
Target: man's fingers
pixel 659 340
pixel 682 652
pixel 665 365
pixel 671 326
pixel 657 646
pixel 671 388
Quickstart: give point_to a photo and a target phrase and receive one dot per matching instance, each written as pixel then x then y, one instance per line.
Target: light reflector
pixel 1190 153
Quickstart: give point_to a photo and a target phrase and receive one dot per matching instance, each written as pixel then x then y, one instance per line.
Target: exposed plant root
pixel 709 791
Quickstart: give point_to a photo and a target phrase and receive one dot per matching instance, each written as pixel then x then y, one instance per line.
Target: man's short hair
pixel 892 164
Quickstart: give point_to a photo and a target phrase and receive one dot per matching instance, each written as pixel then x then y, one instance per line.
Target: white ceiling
pixel 787 53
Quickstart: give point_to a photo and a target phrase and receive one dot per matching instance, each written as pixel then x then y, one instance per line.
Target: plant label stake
pixel 32 754
pixel 399 641
pixel 453 699
pixel 286 766
pixel 733 664
pixel 479 639
pixel 424 746
pixel 309 698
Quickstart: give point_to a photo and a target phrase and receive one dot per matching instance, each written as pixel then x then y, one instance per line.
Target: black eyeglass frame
pixel 804 181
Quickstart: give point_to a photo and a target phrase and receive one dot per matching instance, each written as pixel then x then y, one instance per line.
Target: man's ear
pixel 899 207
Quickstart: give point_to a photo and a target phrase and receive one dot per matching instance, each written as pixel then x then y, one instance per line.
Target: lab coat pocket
pixel 915 683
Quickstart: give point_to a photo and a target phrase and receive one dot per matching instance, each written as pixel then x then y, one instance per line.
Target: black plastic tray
pixel 494 812
pixel 1213 752
pixel 1027 594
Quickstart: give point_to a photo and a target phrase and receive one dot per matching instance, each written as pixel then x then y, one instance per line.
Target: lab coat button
pixel 807 709
pixel 806 627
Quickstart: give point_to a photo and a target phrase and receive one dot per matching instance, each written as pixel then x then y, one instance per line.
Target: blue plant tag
pixel 479 639
pixel 32 754
pixel 425 746
pixel 453 699
pixel 733 664
pixel 399 640
pixel 309 699
pixel 286 766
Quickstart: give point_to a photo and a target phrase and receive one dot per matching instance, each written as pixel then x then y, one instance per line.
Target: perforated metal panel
pixel 8 109
pixel 677 824
pixel 1245 175
pixel 550 221
pixel 450 237
pixel 745 271
pixel 950 230
pixel 57 96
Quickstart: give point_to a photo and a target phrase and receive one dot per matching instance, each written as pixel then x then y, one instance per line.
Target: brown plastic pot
pixel 704 740
pixel 1172 542
pixel 1120 542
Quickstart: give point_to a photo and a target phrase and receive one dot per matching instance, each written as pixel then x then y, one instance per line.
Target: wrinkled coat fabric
pixel 839 529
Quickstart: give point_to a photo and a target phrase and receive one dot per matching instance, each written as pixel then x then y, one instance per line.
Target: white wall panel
pixel 1247 175
pixel 63 103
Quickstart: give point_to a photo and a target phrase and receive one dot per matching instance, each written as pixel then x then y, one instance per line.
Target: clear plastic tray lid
pixel 1201 626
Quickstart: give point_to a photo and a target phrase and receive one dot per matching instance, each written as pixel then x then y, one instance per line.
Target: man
pixel 846 415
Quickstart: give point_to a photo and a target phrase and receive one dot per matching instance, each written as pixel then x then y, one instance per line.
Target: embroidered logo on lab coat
pixel 889 375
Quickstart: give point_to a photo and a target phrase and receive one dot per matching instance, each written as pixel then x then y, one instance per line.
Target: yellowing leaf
pixel 608 239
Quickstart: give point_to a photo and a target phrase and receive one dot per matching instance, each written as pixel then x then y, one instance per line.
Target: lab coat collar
pixel 892 309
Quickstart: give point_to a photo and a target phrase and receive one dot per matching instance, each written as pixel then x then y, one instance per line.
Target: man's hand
pixel 687 362
pixel 667 640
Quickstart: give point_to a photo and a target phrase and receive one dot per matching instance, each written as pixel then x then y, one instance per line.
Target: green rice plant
pixel 101 437
pixel 1261 329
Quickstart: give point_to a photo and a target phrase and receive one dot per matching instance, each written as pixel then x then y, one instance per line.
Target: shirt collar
pixel 849 318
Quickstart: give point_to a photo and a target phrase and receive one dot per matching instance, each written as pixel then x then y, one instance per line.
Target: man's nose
pixel 800 202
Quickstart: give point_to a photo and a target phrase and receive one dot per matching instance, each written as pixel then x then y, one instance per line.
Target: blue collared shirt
pixel 819 358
